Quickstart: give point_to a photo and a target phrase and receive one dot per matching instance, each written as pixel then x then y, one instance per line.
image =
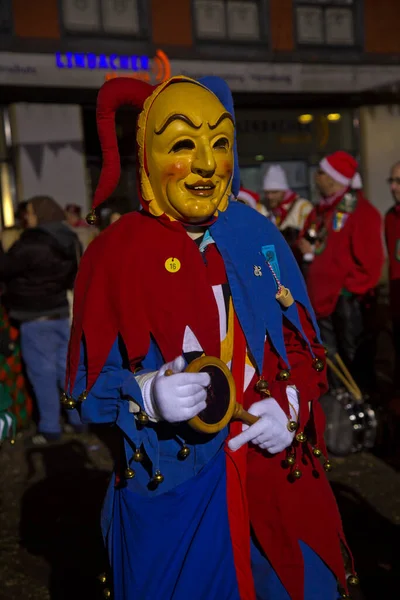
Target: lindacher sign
pixel 156 69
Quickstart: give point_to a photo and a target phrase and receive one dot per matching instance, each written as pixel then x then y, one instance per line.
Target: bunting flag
pixel 35 152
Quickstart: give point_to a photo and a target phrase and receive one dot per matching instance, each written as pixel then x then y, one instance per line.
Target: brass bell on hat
pixel 129 473
pixel 91 218
pixel 317 452
pixel 283 375
pixel 102 578
pixel 142 418
pixel 353 580
pixel 138 455
pixel 328 466
pixel 301 437
pixel 318 365
pixel 297 473
pixel 158 477
pixel 292 426
pixel 106 593
pixel 290 460
pixel 183 452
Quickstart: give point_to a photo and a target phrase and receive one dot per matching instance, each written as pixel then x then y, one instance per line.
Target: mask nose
pixel 204 163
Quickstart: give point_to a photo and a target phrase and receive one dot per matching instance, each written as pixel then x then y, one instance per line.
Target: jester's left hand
pixel 270 432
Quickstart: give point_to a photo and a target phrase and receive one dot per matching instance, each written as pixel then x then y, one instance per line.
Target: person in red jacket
pixel 343 254
pixel 392 235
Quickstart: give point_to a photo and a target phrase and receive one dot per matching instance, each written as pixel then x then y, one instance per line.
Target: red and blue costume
pixel 222 524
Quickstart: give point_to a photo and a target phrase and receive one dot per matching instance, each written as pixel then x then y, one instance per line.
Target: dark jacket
pixel 38 270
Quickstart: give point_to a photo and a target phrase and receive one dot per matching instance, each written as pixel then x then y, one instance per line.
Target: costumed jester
pixel 245 512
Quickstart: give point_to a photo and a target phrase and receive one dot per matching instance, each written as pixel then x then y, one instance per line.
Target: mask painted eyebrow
pixel 172 118
pixel 224 115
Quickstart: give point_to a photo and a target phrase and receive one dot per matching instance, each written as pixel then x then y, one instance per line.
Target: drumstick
pixel 347 373
pixel 347 384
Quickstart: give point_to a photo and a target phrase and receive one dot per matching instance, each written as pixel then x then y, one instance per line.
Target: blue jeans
pixel 44 347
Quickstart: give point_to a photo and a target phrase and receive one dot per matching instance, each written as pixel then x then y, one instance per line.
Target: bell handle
pixel 242 415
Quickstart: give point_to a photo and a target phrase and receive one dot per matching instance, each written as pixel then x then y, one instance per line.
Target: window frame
pixel 227 42
pixel 144 25
pixel 357 10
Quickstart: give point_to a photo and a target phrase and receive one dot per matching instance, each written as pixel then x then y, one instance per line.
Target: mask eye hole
pixel 222 143
pixel 182 145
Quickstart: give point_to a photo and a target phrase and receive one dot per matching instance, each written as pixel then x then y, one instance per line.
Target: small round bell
pixel 129 473
pixel 283 375
pixel 262 387
pixel 301 437
pixel 290 460
pixel 353 580
pixel 318 364
pixel 102 578
pixel 297 473
pixel 91 218
pixel 183 452
pixel 83 396
pixel 70 404
pixel 345 596
pixel 317 452
pixel 138 455
pixel 158 477
pixel 328 466
pixel 106 593
pixel 291 425
pixel 12 441
pixel 64 397
pixel 142 418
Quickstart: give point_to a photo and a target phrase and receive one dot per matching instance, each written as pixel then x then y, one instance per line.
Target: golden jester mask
pixel 187 154
pixel 188 141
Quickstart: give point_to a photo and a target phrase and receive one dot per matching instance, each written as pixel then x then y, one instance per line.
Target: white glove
pixel 270 432
pixel 177 397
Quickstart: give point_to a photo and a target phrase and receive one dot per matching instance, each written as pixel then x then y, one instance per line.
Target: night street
pixel 50 503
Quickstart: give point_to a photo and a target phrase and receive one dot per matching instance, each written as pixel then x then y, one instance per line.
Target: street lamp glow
pixel 304 119
pixel 334 117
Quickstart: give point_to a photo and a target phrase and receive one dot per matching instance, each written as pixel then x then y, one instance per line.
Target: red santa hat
pixel 249 197
pixel 342 167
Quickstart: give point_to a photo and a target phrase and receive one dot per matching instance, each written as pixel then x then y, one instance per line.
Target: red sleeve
pixel 368 253
pixel 310 382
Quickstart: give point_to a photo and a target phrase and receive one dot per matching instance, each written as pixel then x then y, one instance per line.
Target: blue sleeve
pixel 108 399
pixel 114 387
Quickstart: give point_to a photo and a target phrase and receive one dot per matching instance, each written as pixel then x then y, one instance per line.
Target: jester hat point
pixel 124 91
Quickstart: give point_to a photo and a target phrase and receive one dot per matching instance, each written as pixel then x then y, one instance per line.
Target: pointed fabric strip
pixel 254 297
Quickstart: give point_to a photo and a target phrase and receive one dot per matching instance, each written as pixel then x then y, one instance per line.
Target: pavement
pixel 50 502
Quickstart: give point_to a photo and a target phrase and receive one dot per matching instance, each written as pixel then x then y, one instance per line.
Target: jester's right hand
pixel 178 397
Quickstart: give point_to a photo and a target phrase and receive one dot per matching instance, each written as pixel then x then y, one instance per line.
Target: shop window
pixel 5 17
pixel 228 20
pixel 7 172
pixel 330 23
pixel 105 17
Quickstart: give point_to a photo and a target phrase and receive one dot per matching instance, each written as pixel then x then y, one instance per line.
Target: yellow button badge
pixel 172 265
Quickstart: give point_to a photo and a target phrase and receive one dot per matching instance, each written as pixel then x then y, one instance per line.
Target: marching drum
pixel 351 423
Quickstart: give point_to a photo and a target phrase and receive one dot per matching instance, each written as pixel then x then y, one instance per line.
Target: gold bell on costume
pixel 91 218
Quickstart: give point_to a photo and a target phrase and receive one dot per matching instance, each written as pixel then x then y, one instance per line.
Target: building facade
pixel 308 77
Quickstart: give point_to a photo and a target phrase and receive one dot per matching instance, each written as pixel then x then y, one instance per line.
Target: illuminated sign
pixel 156 69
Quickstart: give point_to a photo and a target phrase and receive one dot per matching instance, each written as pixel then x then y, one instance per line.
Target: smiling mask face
pixel 189 150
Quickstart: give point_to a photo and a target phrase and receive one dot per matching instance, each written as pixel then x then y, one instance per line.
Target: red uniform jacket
pixel 392 235
pixel 350 255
